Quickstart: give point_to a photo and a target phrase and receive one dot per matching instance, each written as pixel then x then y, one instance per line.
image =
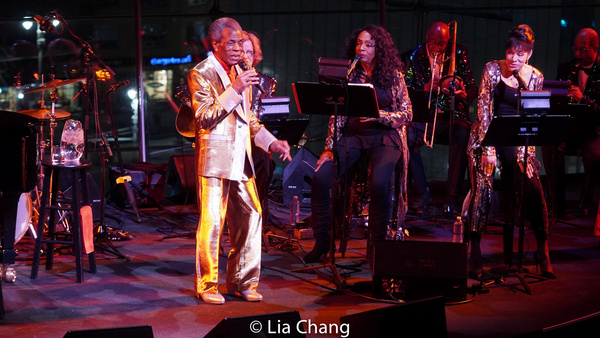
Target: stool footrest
pixel 50 241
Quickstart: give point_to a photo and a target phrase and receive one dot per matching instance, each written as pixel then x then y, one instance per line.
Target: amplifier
pixel 412 270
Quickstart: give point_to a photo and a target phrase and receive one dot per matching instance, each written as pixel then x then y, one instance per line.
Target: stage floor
pixel 154 286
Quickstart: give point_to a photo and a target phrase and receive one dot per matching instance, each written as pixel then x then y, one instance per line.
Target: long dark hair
pixel 387 62
pixel 520 38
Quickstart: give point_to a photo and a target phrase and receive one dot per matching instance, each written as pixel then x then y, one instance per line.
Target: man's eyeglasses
pixel 249 53
pixel 581 49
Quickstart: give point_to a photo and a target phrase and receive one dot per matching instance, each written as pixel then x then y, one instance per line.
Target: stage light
pixel 563 23
pixel 132 93
pixel 27 24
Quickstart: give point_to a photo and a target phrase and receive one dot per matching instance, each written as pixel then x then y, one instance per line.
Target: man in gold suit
pixel 221 97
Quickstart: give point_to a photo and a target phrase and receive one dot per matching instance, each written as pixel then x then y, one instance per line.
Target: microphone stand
pixel 452 88
pixel 102 234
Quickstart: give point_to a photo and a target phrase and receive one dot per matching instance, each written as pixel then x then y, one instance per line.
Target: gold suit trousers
pixel 238 203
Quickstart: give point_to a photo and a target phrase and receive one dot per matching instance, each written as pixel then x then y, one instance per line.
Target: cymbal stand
pixel 53 124
pixel 43 144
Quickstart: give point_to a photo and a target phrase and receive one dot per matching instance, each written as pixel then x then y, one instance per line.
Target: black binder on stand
pixel 524 130
pixel 352 100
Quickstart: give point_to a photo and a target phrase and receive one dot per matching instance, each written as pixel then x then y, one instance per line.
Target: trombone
pixel 450 75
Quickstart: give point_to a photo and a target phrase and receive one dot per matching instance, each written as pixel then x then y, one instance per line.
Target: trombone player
pixel 439 78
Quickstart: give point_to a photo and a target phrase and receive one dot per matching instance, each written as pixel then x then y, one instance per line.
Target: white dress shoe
pixel 249 295
pixel 212 297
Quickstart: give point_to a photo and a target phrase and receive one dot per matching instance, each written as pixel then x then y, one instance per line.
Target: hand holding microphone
pixel 245 67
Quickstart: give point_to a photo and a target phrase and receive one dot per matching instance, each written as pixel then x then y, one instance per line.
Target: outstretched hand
pixel 282 147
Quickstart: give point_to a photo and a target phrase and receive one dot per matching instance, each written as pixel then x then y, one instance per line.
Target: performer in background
pixel 498 95
pixel 220 93
pixel 264 166
pixel 252 55
pixel 65 59
pixel 584 73
pixel 421 74
pixel 383 139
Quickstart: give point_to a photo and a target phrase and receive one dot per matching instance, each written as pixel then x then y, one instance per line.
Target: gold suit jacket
pixel 225 124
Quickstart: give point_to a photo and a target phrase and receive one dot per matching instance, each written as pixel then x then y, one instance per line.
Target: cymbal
pixel 54 84
pixel 44 114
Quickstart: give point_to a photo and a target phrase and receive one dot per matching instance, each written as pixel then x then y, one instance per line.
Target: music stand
pixel 524 130
pixel 351 100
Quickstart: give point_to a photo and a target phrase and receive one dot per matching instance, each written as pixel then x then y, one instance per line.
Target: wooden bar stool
pixel 52 202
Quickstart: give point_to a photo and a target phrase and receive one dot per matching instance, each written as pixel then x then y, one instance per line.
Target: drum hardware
pixel 24 217
pixel 8 273
pixel 45 114
pixel 51 115
pixel 55 83
pixel 29 207
pixel 23 222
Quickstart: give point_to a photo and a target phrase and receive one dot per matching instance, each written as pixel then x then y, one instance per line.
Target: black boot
pixel 475 265
pixel 542 259
pixel 321 249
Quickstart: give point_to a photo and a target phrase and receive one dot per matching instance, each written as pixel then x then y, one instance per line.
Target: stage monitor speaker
pixel 142 331
pixel 297 177
pixel 422 318
pixel 279 324
pixel 420 269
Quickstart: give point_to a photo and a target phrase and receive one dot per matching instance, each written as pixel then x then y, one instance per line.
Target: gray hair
pixel 216 29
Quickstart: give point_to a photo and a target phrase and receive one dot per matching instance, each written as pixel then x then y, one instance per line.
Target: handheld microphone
pixel 45 23
pixel 353 65
pixel 520 80
pixel 244 66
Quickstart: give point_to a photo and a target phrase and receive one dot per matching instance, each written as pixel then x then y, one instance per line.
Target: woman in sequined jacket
pixel 498 95
pixel 382 139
